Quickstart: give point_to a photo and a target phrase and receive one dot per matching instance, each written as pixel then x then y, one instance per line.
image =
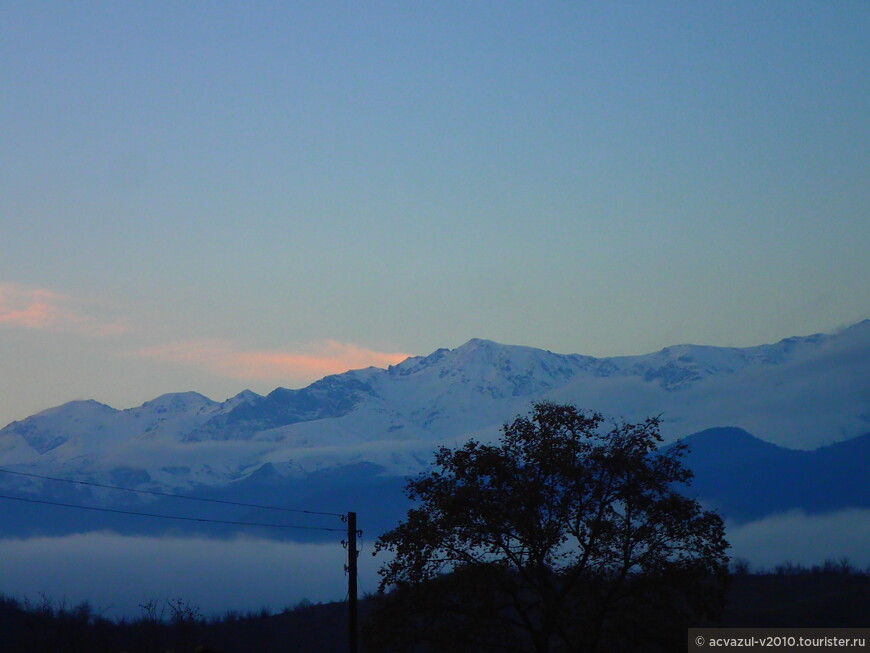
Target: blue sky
pixel 223 195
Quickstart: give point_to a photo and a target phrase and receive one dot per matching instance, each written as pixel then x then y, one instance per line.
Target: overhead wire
pixel 172 495
pixel 150 514
pixel 341 516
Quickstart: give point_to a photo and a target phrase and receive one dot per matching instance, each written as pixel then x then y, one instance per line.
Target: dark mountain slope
pixel 747 478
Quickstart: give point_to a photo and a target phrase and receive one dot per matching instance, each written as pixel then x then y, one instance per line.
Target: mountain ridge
pixel 803 392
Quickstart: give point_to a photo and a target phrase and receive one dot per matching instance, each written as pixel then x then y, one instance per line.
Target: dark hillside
pixel 746 478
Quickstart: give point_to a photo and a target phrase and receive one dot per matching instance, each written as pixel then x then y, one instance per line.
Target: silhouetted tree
pixel 561 537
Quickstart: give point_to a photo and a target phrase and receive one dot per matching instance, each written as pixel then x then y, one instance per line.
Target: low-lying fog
pixel 803 539
pixel 118 573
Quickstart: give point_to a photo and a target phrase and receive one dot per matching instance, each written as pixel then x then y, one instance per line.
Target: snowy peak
pixel 856 331
pixel 416 364
pixel 51 428
pixel 79 410
pixel 244 397
pixel 680 366
pixel 478 346
pixel 178 402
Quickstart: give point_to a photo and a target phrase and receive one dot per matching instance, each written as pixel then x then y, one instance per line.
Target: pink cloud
pixel 225 359
pixel 32 308
pixel 41 308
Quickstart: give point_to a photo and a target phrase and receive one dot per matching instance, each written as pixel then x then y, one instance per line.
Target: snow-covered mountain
pixel 801 393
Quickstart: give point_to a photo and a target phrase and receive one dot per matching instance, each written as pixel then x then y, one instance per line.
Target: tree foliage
pixel 564 536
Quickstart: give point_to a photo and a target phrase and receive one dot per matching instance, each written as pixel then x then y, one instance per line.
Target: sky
pixel 215 196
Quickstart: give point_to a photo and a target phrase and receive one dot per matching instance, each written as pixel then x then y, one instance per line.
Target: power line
pixel 151 514
pixel 171 495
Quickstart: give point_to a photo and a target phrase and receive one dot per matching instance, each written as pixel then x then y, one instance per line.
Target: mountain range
pixel 368 429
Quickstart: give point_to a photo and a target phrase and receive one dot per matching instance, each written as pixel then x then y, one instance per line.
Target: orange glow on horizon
pixel 225 359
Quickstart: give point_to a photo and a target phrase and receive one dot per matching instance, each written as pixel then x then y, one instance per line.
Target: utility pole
pixel 351 583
